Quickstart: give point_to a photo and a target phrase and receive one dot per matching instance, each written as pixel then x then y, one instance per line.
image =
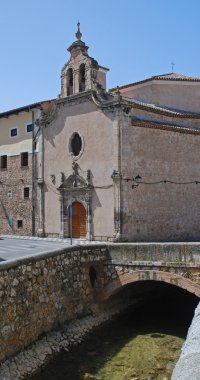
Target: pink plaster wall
pixel 181 95
pixel 96 130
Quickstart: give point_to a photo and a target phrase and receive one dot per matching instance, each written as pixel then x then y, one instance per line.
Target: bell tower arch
pixel 81 73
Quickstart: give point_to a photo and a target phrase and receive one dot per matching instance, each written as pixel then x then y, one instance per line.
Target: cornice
pixel 165 126
pixel 164 110
pixel 75 98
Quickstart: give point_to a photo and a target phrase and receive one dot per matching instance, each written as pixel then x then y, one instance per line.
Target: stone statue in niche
pixel 75 168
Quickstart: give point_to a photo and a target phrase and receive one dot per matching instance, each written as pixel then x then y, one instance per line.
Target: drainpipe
pixel 41 230
pixel 42 180
pixel 33 174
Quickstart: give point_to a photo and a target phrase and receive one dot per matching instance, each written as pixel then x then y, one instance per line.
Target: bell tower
pixel 81 73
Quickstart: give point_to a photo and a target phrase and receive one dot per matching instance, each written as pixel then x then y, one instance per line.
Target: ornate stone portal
pixel 75 188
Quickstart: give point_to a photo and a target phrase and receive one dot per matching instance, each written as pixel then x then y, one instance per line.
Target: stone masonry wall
pixel 158 211
pixel 38 294
pixel 48 291
pixel 14 179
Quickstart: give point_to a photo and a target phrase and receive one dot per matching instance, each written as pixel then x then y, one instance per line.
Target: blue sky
pixel 134 38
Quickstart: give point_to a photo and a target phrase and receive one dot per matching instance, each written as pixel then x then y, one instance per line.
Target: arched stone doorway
pixel 76 191
pixel 78 221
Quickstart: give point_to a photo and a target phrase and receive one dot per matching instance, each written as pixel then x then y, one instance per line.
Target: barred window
pixel 24 159
pixel 26 192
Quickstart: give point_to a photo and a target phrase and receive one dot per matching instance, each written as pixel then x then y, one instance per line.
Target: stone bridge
pixel 42 292
pixel 173 263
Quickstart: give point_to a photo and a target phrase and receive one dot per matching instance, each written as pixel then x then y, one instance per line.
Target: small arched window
pixel 82 77
pixel 69 82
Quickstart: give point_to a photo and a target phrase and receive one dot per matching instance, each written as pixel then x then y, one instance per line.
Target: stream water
pixel 141 344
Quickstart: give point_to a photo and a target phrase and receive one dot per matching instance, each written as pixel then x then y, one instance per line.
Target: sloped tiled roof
pixel 169 76
pixel 174 76
pixel 27 108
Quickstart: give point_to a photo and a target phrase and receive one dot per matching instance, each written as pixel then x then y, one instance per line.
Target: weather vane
pixel 173 64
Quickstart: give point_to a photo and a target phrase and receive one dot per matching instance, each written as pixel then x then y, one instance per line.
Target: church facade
pixel 118 165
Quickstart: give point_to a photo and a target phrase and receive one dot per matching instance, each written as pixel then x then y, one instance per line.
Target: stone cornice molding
pixel 118 100
pixel 165 126
pixel 163 110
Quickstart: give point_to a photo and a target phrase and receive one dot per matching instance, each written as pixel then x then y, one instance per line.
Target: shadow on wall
pixel 9 219
pixel 68 110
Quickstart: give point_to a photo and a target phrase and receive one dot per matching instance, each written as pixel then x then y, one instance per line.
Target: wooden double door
pixel 78 221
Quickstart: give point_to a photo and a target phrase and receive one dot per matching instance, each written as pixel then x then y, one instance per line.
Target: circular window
pixel 76 145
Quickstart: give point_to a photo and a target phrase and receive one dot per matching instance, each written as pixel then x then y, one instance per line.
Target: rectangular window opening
pixel 29 127
pixel 13 132
pixel 20 224
pixel 24 159
pixel 4 162
pixel 26 192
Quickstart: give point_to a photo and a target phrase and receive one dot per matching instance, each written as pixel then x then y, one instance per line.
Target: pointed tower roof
pixel 78 44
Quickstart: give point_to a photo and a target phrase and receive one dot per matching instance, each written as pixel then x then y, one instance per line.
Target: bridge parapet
pixel 155 252
pixel 37 293
pixel 174 263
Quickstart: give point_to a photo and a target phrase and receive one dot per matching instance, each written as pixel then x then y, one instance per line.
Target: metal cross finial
pixel 173 64
pixel 78 33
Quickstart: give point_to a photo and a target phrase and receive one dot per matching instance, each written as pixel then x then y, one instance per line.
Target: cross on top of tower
pixel 78 33
pixel 173 64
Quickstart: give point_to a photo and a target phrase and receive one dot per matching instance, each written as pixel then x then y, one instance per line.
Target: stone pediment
pixel 74 181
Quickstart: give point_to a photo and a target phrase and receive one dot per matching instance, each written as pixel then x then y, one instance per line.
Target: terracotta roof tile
pixel 174 76
pixel 169 76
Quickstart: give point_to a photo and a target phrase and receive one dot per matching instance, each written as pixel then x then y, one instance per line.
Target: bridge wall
pixel 174 263
pixel 39 293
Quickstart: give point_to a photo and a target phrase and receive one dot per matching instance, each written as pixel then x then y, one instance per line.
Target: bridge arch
pixel 127 278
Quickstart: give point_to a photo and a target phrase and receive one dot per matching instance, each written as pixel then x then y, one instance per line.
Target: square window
pixel 24 159
pixel 13 132
pixel 4 162
pixel 20 224
pixel 26 192
pixel 29 127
